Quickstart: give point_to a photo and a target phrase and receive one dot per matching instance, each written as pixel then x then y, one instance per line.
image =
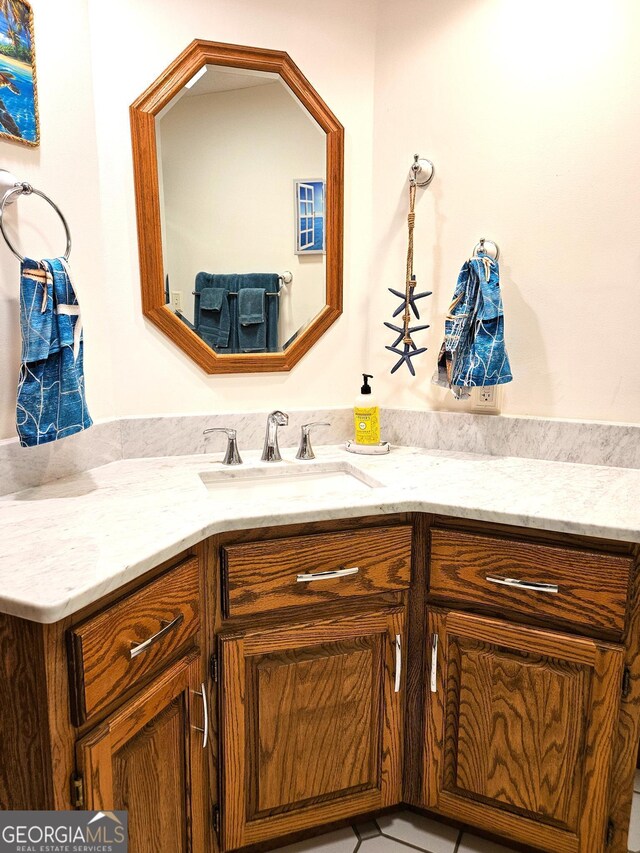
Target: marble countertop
pixel 68 543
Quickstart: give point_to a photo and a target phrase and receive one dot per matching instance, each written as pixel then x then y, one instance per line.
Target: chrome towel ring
pixel 24 188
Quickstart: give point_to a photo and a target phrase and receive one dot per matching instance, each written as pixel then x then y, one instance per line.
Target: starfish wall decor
pixel 404 346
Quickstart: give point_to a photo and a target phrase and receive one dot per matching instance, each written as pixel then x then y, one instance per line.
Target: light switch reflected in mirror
pixel 242 189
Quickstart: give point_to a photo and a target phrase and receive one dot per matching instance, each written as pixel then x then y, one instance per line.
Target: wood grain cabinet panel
pixel 148 759
pixel 520 726
pixel 102 667
pixel 589 589
pixel 311 724
pixel 261 576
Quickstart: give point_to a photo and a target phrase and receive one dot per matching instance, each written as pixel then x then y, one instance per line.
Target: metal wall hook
pixel 489 247
pixel 421 172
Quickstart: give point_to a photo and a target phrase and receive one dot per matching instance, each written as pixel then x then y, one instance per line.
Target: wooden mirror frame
pixel 143 114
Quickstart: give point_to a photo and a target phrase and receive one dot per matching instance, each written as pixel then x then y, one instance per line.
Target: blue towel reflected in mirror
pixel 252 319
pixel 234 314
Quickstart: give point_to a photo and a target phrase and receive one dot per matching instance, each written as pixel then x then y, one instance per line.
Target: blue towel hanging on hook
pixel 51 399
pixel 473 352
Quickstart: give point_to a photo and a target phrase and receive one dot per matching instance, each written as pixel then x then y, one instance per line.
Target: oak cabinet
pixel 117 649
pixel 582 589
pixel 355 665
pixel 308 571
pixel 520 726
pixel 148 759
pixel 311 722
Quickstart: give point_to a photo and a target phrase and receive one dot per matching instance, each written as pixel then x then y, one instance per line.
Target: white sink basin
pixel 289 480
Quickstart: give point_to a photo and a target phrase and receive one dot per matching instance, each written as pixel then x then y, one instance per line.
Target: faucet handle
pixel 281 418
pixel 232 456
pixel 305 451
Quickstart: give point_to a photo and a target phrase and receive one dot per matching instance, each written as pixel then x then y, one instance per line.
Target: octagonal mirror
pixel 238 168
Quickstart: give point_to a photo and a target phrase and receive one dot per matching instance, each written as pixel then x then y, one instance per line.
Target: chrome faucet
pixel 271 451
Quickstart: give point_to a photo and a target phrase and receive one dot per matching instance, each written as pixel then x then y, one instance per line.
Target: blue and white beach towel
pixel 473 352
pixel 51 397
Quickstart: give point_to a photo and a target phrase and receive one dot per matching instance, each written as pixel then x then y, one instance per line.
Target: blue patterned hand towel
pixel 473 352
pixel 51 398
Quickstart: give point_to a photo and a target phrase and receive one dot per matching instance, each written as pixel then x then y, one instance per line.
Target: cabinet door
pixel 148 759
pixel 520 728
pixel 311 719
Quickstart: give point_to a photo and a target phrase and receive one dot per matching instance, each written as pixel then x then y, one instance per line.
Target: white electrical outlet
pixel 486 400
pixel 176 300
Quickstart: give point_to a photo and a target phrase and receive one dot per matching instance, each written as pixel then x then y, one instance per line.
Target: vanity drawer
pixel 585 588
pixel 112 651
pixel 301 570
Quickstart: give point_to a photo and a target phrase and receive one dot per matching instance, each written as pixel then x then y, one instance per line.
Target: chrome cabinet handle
pixel 325 576
pixel 166 627
pixel 537 586
pixel 205 730
pixel 398 645
pixel 434 663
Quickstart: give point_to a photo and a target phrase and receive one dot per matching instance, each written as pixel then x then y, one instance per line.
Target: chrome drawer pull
pixel 166 627
pixel 325 576
pixel 434 664
pixel 398 645
pixel 205 730
pixel 534 585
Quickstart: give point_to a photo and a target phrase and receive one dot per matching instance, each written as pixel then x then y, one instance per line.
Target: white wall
pixel 333 43
pixel 229 160
pixel 530 113
pixel 64 167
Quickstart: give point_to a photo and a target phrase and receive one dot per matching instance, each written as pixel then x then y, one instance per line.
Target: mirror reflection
pixel 242 169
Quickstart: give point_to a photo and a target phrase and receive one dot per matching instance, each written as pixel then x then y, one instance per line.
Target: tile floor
pixel 405 831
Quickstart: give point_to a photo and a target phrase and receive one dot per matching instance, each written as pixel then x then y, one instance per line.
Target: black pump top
pixel 365 388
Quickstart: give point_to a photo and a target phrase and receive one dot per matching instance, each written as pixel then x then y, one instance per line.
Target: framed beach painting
pixel 310 229
pixel 18 91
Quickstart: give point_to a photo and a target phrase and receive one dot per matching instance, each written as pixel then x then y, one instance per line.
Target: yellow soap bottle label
pixel 367 425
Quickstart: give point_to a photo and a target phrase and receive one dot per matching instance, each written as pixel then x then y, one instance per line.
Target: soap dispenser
pixel 366 415
pixel 366 418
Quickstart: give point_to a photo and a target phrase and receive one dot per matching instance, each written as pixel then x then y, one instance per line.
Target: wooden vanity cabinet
pixel 484 673
pixel 106 710
pixel 117 648
pixel 311 722
pixel 311 650
pixel 521 722
pixel 140 700
pixel 148 759
pixel 530 726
